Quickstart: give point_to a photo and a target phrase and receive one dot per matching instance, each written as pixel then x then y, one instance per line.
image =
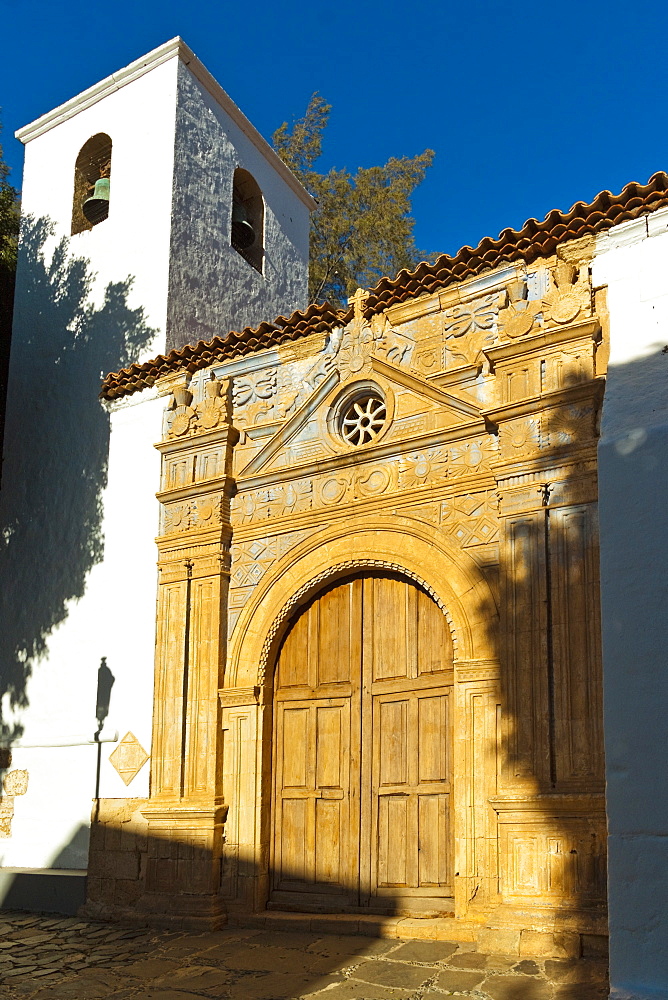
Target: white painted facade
pixel 78 506
pixel 632 260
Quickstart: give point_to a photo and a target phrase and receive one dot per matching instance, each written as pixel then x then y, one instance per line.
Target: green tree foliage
pixel 9 234
pixel 362 228
pixel 9 237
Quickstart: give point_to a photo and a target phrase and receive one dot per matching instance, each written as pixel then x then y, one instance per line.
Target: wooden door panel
pixel 392 742
pixel 411 783
pixel 295 740
pixel 362 751
pixel 315 837
pixel 332 746
pixel 293 666
pixel 339 614
pixel 293 859
pixel 432 743
pixel 434 642
pixel 388 621
pixel 394 830
pixel 330 841
pixel 434 841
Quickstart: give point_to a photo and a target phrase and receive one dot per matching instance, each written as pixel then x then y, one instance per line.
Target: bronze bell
pixel 243 234
pixel 96 208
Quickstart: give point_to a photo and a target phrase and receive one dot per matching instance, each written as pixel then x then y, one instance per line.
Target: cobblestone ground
pixel 51 958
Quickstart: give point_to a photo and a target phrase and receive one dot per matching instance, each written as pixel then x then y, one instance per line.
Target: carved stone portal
pixel 478 495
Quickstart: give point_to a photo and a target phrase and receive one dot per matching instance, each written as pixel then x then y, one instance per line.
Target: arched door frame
pixel 400 545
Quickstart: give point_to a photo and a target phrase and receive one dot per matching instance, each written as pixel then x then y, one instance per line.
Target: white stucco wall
pixel 113 619
pixel 78 504
pixel 134 240
pixel 212 288
pixel 632 260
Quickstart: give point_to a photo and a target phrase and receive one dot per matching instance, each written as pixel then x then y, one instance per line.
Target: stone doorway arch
pixel 399 545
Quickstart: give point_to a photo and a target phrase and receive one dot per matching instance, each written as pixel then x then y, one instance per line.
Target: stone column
pixel 185 811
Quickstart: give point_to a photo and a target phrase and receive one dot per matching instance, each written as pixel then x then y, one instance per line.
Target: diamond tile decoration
pixel 128 758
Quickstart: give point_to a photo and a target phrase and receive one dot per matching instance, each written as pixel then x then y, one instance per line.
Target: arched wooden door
pixel 361 812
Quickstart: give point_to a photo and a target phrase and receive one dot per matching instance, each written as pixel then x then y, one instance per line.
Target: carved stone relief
pixel 272 501
pixel 420 467
pixel 15 783
pixel 128 758
pixel 202 512
pixel 182 418
pixel 524 436
pixel 250 561
pixel 254 397
pixel 408 471
pixel 569 296
pixel 471 519
pixel 520 315
pixel 468 328
pixel 214 408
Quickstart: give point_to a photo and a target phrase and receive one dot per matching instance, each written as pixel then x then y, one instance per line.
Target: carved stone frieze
pixel 468 328
pixel 473 456
pixel 411 470
pixel 391 345
pixel 571 424
pixel 198 512
pixel 254 397
pixel 420 467
pixel 430 513
pixel 520 437
pixel 472 520
pixel 364 339
pixel 527 435
pixel 181 416
pixel 214 408
pixel 273 501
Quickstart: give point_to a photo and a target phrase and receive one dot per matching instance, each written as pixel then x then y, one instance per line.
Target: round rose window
pixel 363 419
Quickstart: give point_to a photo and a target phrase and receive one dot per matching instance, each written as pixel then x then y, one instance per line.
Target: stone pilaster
pixel 185 811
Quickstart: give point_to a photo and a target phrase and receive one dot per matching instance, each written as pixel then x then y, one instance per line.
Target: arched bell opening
pixel 362 747
pixel 247 223
pixel 92 181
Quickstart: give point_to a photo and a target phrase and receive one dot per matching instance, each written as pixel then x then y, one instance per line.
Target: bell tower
pixel 154 216
pixel 154 173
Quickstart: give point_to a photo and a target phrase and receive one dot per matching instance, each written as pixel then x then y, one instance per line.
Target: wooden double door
pixel 361 814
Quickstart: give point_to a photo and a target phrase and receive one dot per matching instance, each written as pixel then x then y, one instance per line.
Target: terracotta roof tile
pixel 192 357
pixel 535 239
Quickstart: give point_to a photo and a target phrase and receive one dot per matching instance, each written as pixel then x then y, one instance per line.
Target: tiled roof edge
pixel 317 318
pixel 535 239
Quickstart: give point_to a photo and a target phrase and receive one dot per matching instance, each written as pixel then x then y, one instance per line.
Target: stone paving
pixel 64 958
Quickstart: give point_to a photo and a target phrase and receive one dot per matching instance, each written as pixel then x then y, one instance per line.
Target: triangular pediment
pixel 312 435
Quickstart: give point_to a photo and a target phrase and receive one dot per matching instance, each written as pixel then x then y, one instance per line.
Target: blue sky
pixel 529 107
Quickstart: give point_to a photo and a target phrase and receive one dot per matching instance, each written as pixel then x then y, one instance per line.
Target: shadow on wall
pixel 547 793
pixel 56 446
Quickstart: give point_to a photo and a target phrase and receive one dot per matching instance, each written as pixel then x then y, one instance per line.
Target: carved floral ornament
pixel 214 409
pixel 203 512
